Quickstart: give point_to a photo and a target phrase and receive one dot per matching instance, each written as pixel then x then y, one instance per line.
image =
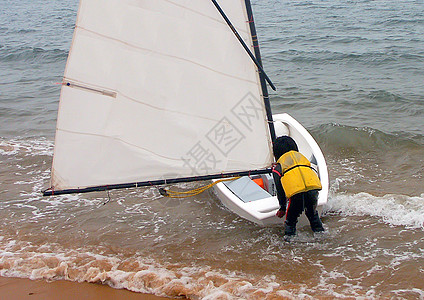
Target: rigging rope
pixel 176 194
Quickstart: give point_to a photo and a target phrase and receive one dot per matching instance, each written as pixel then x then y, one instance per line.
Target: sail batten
pixel 158 93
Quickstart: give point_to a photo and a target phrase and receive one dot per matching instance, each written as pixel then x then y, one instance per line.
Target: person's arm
pixel 281 195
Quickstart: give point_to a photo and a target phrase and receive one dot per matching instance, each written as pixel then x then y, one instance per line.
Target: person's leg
pixel 294 209
pixel 311 201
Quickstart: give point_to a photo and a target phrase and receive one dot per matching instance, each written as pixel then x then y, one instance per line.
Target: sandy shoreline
pixel 17 288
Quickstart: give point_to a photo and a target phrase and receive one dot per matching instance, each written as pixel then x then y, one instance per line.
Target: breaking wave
pixel 364 139
pixel 395 210
pixel 135 273
pixel 26 147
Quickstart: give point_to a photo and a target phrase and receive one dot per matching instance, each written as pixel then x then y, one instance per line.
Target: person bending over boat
pixel 296 180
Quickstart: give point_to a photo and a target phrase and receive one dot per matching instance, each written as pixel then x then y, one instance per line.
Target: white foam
pixel 32 147
pixel 419 293
pixel 143 274
pixel 51 262
pixel 393 209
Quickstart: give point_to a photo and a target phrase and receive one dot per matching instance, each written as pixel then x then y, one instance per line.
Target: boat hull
pixel 251 202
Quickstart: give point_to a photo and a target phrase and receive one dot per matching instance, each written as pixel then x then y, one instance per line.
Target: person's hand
pixel 280 213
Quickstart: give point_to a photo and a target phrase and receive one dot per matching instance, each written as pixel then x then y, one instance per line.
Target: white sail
pixel 158 90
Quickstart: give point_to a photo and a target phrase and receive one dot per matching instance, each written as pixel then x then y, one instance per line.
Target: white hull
pixel 262 206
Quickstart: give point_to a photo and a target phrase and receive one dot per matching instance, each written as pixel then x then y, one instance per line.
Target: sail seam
pixel 168 110
pixel 117 139
pixel 125 142
pixel 204 15
pixel 166 55
pixel 152 106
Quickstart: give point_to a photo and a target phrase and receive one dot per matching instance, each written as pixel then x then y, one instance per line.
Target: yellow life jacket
pixel 297 174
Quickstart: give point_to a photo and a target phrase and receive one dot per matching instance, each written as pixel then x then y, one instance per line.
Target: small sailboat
pixel 161 92
pixel 254 197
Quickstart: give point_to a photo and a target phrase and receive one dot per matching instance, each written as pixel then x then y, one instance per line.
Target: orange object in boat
pixel 260 182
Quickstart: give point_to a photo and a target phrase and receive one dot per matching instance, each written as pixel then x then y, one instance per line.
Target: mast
pixel 260 70
pixel 254 59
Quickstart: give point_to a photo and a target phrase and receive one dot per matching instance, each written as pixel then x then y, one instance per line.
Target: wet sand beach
pixel 17 288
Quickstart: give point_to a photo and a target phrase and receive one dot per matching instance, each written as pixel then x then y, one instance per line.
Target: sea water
pixel 351 72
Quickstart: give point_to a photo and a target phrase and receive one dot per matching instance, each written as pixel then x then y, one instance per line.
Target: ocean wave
pixel 395 210
pixel 365 139
pixel 138 273
pixel 398 21
pixel 363 159
pixel 30 54
pixel 135 273
pixel 24 31
pixel 376 57
pixel 386 96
